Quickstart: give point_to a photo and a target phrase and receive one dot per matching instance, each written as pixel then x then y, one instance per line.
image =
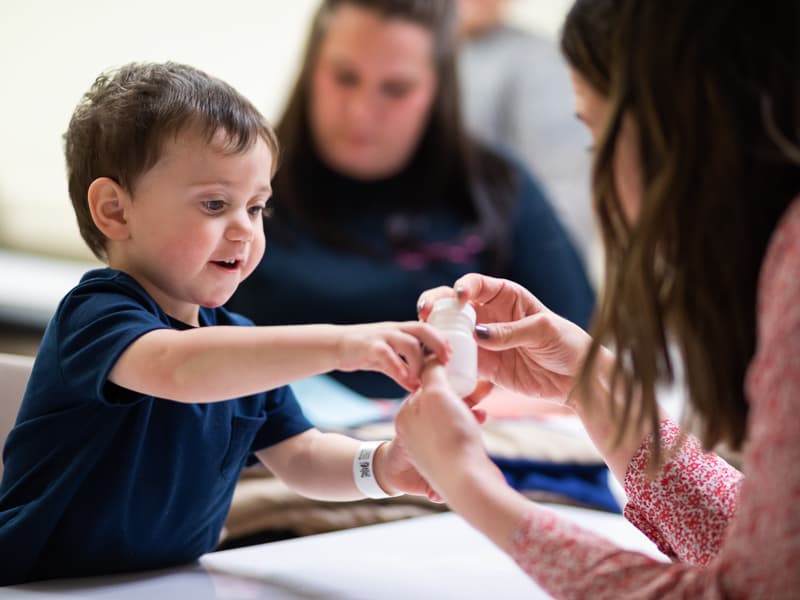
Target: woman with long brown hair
pixel 694 107
pixel 381 194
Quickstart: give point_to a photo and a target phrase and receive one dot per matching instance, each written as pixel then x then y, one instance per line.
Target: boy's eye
pixel 257 210
pixel 214 205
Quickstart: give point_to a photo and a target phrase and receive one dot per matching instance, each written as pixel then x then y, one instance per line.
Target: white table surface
pixel 438 557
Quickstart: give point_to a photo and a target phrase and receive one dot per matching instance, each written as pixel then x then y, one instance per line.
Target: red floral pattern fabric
pixel 730 535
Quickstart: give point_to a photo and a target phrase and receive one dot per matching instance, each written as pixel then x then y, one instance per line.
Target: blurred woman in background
pixel 381 193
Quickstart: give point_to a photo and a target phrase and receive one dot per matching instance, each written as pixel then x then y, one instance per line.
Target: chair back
pixel 14 373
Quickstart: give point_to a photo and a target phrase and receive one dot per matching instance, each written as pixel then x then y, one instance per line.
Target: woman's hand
pixel 395 349
pixel 523 346
pixel 440 433
pixel 398 472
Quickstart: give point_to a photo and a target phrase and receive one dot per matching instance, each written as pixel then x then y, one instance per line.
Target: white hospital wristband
pixel 363 473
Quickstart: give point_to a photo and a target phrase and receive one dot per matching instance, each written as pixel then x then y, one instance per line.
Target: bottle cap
pixel 453 304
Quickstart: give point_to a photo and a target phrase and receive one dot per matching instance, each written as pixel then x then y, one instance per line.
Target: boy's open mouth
pixel 226 264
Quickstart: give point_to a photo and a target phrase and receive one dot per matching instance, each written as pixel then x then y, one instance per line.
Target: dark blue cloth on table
pixel 586 484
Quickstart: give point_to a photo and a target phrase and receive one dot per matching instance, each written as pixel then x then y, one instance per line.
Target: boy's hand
pixel 395 473
pixel 395 349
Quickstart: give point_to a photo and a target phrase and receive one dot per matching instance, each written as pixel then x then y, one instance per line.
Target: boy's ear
pixel 108 203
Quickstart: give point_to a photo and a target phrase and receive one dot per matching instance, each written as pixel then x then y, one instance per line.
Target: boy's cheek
pixel 256 254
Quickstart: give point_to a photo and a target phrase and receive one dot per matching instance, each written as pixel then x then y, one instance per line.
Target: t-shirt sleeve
pixel 96 322
pixel 285 419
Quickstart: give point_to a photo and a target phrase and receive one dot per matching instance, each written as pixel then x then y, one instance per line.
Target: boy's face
pixel 195 223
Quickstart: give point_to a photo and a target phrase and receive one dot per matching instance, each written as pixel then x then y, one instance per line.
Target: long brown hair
pixel 715 91
pixel 448 166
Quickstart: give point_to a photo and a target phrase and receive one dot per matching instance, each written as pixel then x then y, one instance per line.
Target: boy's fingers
pixel 397 369
pixel 430 338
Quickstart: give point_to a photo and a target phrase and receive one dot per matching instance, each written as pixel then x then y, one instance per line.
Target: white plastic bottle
pixel 457 322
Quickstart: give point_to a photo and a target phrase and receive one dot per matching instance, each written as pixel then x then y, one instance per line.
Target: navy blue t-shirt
pixel 101 479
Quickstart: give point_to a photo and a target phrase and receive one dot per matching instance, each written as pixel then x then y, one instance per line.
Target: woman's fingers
pixel 434 377
pixel 428 298
pixel 434 382
pixel 506 295
pixel 502 336
pixel 482 389
pixel 537 330
pixel 480 415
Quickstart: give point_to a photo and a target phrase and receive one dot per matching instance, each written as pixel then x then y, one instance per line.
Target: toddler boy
pixel 147 398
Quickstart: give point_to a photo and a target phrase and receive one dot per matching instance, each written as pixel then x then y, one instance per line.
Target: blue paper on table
pixel 330 405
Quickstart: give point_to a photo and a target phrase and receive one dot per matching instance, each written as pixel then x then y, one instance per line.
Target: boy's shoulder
pixel 107 289
pixel 109 280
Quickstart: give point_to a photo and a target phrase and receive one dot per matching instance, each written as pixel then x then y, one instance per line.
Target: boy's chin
pixel 216 302
pixel 212 304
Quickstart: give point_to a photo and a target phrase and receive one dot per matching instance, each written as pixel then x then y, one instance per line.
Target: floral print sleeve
pixel 686 509
pixel 731 536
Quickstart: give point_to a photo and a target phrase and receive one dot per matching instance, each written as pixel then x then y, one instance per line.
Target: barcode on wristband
pixel 364 473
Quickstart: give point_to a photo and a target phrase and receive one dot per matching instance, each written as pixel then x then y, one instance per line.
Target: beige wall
pixel 543 16
pixel 50 52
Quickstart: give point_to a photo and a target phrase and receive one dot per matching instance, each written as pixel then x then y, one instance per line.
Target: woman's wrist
pixel 600 411
pixel 466 478
pixel 599 388
pixel 483 497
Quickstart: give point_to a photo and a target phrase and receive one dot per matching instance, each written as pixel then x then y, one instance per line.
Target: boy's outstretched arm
pixel 320 465
pixel 209 364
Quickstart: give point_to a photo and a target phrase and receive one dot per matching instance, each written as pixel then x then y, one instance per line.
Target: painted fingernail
pixel 482 331
pixel 460 291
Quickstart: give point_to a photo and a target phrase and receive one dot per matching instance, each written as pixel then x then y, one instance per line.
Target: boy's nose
pixel 240 229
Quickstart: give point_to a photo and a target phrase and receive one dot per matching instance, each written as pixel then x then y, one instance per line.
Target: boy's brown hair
pixel 119 126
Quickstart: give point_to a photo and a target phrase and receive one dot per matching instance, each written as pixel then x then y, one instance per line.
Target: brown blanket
pixel 262 503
